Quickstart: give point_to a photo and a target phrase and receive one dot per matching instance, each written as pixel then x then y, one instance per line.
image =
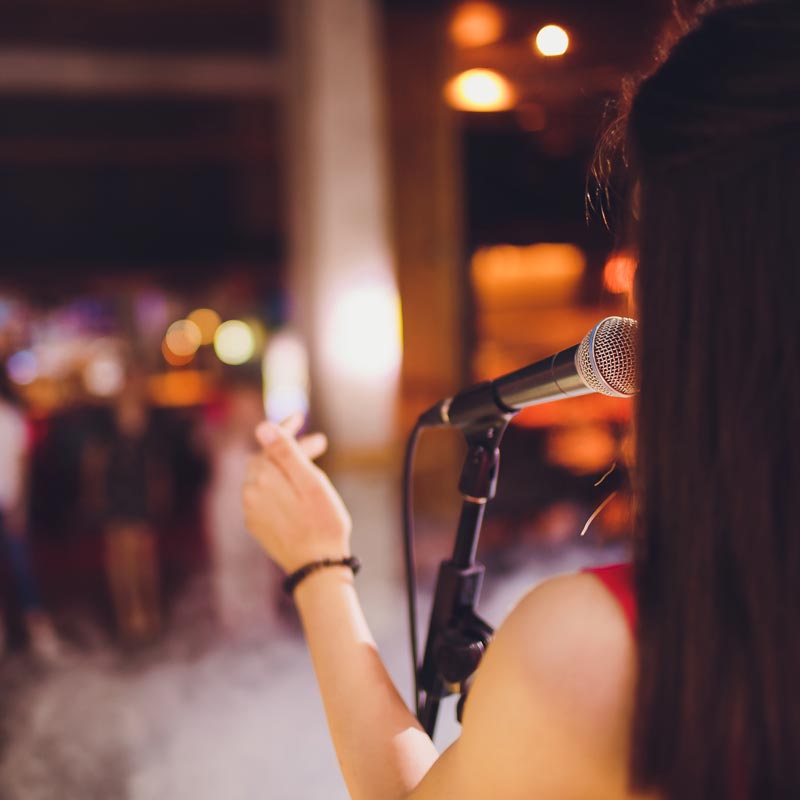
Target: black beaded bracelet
pixel 291 581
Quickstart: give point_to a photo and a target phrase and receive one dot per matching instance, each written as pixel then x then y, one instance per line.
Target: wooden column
pixel 427 235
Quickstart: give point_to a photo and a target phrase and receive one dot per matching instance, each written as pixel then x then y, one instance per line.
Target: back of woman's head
pixel 713 139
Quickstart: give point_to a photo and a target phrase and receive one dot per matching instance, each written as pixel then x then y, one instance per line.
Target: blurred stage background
pixel 209 210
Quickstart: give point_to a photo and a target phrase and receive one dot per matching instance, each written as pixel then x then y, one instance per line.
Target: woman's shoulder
pixel 573 634
pixel 557 680
pixel 549 714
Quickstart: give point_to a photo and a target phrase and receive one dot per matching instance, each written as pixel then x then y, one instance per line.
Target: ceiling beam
pixel 28 70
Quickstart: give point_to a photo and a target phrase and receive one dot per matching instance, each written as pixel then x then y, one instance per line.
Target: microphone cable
pixel 410 557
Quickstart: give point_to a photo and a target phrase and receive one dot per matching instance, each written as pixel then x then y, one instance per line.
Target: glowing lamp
pixel 476 24
pixel 234 342
pixel 552 40
pixel 480 90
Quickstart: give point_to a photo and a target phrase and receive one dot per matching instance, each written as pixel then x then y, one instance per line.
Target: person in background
pixel 127 483
pixel 14 541
pixel 675 677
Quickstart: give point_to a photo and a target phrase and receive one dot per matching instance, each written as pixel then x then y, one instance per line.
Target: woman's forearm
pixel 382 750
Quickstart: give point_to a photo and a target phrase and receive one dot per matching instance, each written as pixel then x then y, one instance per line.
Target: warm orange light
pixel 619 272
pixel 480 90
pixel 583 448
pixel 207 321
pixel 476 24
pixel 172 358
pixel 538 274
pixel 180 389
pixel 183 338
pixel 552 40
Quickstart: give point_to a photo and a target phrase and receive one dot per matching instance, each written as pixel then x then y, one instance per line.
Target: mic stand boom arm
pixel 457 636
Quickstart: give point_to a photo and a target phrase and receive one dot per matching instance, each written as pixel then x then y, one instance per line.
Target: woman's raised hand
pixel 290 505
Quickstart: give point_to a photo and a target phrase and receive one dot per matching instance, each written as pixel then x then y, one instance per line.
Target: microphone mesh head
pixel 607 358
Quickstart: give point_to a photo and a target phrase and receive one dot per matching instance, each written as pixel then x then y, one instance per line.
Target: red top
pixel 618 579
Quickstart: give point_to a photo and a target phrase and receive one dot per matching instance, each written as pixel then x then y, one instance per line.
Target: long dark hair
pixel 713 138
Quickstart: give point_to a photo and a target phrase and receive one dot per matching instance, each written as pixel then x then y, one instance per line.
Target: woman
pixel 676 680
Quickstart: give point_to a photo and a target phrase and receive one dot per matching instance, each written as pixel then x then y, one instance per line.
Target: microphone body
pixel 604 362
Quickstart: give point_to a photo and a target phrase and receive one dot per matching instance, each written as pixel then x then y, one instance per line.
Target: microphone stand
pixel 457 636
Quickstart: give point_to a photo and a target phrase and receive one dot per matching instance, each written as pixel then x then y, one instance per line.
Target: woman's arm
pixel 383 751
pixel 548 714
pixel 297 516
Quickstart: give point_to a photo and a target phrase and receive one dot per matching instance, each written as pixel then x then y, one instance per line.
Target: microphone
pixel 604 362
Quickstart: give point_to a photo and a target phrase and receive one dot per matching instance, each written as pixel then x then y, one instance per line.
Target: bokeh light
pixel 183 338
pixel 234 342
pixel 285 372
pixel 480 90
pixel 619 272
pixel 173 359
pixel 547 273
pixel 552 40
pixel 476 24
pixel 104 375
pixel 207 321
pixel 583 448
pixel 189 387
pixel 259 331
pixel 23 367
pixel 365 333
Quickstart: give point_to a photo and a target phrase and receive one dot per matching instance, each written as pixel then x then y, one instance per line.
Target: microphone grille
pixel 607 358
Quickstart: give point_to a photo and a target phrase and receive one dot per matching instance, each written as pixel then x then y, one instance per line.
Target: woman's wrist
pixel 301 573
pixel 321 582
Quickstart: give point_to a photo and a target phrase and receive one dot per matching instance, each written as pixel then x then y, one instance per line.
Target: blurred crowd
pixel 108 510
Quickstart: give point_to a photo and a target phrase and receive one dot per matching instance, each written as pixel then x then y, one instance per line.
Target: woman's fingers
pixel 262 473
pixel 290 505
pixel 287 454
pixel 293 424
pixel 313 445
